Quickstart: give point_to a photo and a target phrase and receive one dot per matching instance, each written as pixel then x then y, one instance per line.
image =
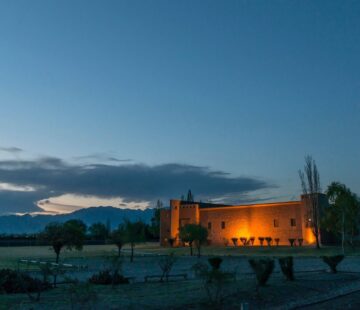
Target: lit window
pixel 209 225
pixel 293 222
pixel 222 225
pixel 276 223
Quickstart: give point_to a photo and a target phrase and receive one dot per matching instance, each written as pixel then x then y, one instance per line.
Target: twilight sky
pixel 124 102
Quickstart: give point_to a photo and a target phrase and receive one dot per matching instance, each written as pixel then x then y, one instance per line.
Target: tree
pixel 98 231
pixel 310 183
pixel 190 197
pixel 186 234
pixel 134 233
pixel 70 234
pixel 342 216
pixel 118 237
pixel 194 233
pixel 78 224
pixel 155 221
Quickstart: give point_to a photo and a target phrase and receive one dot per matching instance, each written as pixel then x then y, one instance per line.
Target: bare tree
pixel 310 183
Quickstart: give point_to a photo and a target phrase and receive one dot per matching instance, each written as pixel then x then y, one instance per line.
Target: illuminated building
pixel 279 221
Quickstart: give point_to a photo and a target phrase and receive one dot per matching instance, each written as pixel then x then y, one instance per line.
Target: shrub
pixel 215 262
pixel 333 261
pixel 234 240
pixel 261 239
pixel 268 240
pixel 300 241
pixel 106 277
pixel 171 241
pixel 243 240
pixel 287 267
pixel 166 263
pixel 277 240
pixel 200 269
pixel 262 268
pixel 13 282
pixel 81 295
pixel 252 240
pixel 213 281
pixel 292 241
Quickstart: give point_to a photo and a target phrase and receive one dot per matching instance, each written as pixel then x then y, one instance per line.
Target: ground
pixel 312 283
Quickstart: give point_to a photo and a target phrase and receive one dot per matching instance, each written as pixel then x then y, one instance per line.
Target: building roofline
pixel 255 205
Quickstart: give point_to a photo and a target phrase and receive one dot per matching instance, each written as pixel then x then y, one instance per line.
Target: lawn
pixel 187 294
pixel 10 255
pixel 312 280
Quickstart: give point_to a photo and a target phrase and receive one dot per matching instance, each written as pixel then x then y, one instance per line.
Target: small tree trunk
pixel 191 249
pixel 198 248
pixel 57 251
pixel 343 232
pixel 317 242
pixel 132 253
pixel 316 222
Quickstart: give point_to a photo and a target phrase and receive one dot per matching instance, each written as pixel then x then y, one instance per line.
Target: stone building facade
pixel 278 220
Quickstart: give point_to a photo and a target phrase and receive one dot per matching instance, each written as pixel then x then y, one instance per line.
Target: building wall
pixel 239 221
pixel 189 214
pixel 165 226
pixel 253 222
pixel 175 220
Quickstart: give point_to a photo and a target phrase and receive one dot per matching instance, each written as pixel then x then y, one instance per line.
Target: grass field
pixel 10 255
pixel 180 294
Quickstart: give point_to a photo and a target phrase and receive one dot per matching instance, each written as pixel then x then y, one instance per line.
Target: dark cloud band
pixel 132 182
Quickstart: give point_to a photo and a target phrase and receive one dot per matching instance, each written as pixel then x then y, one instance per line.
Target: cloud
pixel 12 149
pixel 101 157
pixel 132 182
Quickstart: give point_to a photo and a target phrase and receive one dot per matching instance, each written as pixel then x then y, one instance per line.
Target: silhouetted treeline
pixel 95 234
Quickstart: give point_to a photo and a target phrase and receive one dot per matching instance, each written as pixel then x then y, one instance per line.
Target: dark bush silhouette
pixel 277 240
pixel 14 282
pixel 292 241
pixel 252 240
pixel 262 268
pixel 268 240
pixel 300 241
pixel 243 240
pixel 107 277
pixel 287 267
pixel 215 262
pixel 333 261
pixel 234 240
pixel 171 241
pixel 261 239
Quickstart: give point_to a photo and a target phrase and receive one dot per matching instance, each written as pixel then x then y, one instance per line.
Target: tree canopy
pixel 134 233
pixel 342 216
pixel 70 234
pixel 98 231
pixel 310 183
pixel 193 233
pixel 118 237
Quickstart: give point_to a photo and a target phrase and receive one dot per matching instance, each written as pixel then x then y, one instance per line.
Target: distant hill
pixel 19 224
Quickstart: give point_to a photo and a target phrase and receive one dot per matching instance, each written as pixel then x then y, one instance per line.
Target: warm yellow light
pixel 309 236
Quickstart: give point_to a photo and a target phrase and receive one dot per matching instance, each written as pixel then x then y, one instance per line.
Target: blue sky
pixel 243 87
